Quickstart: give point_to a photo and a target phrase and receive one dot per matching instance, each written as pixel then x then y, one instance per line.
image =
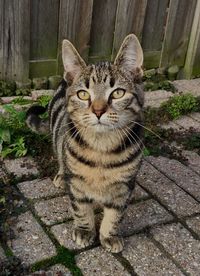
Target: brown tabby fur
pixel 98 141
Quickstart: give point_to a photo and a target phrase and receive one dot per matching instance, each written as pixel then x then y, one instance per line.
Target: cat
pixel 95 120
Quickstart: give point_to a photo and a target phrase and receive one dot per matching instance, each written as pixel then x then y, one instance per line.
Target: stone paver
pixel 173 126
pixel 7 100
pixel 24 166
pixel 30 243
pixel 181 245
pixel 56 270
pixel 188 123
pixel 63 233
pixel 2 255
pixel 185 86
pixel 156 98
pixel 38 93
pixel 143 214
pixel 193 160
pixel 195 116
pixel 39 188
pixel 173 197
pixel 194 223
pixel 178 172
pixel 53 210
pixel 147 259
pixel 182 124
pixel 98 262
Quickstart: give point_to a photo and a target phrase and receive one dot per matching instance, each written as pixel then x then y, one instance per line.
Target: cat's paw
pixel 83 237
pixel 59 181
pixel 112 244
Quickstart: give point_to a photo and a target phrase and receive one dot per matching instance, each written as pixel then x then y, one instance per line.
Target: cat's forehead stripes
pixel 102 73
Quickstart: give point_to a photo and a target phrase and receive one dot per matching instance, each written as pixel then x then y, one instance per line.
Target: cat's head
pixel 104 96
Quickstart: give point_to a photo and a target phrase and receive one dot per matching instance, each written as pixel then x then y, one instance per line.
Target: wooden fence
pixel 31 32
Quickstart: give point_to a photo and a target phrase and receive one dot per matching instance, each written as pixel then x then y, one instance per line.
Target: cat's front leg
pixel 84 224
pixel 109 229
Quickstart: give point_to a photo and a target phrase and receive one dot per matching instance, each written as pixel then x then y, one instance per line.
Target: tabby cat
pixel 95 119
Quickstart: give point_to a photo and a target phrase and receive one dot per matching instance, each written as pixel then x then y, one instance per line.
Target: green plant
pixel 180 105
pixel 165 85
pixel 14 119
pixel 7 88
pixel 12 141
pixel 18 148
pixel 23 91
pixel 21 101
pixel 44 100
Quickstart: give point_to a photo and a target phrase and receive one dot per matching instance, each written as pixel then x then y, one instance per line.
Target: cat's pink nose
pixel 98 112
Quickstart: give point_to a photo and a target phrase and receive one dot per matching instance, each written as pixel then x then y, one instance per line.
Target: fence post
pixel 178 28
pixel 14 39
pixel 192 62
pixel 74 24
pixel 130 18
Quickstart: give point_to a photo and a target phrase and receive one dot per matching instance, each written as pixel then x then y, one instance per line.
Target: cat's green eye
pixel 83 95
pixel 117 94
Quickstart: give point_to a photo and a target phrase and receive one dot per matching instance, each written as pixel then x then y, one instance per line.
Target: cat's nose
pixel 98 112
pixel 99 107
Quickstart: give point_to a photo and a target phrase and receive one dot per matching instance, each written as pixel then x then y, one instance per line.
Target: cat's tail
pixel 35 122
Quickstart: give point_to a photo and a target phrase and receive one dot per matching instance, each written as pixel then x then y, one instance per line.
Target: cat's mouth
pixel 99 124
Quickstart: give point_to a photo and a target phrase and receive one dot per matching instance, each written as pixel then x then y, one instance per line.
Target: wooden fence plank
pixel 177 33
pixel 14 39
pixel 129 19
pixel 103 24
pixel 192 62
pixel 44 28
pixel 154 24
pixel 74 24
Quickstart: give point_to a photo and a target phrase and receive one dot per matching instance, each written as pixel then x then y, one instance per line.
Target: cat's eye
pixel 117 94
pixel 83 95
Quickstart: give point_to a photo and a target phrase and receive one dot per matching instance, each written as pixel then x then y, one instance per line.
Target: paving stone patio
pixel 161 227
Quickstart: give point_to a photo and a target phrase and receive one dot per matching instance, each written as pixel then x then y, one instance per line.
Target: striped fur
pixel 99 155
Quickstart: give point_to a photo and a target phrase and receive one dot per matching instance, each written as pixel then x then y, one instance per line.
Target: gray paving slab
pixel 194 223
pixel 56 270
pixel 98 262
pixel 30 243
pixel 179 242
pixel 35 94
pixel 185 86
pixel 156 98
pixel 7 100
pixel 63 233
pixel 39 188
pixel 182 175
pixel 195 116
pixel 173 197
pixel 182 124
pixel 193 160
pixel 188 123
pixel 147 259
pixel 173 125
pixel 24 166
pixel 143 214
pixel 53 210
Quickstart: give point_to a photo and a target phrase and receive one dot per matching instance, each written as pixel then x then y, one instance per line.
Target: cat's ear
pixel 72 62
pixel 130 56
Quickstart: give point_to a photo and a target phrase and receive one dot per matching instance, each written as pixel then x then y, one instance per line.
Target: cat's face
pixel 103 97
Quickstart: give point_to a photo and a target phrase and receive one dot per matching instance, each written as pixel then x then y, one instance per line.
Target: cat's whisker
pixel 122 138
pixel 148 129
pixel 135 141
pixel 140 140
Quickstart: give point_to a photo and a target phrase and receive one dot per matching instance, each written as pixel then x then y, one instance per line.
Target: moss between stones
pixel 64 257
